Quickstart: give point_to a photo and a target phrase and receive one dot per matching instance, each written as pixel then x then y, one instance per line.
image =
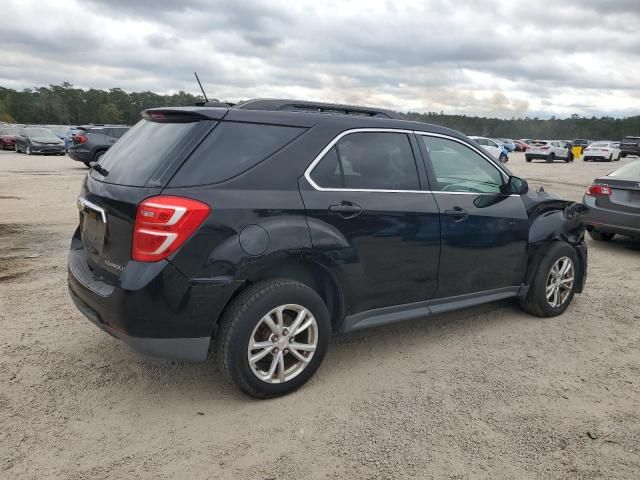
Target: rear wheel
pixel 528 159
pixel 554 283
pixel 601 236
pixel 98 156
pixel 273 337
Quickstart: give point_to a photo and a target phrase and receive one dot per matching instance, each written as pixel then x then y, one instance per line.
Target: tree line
pixel 66 105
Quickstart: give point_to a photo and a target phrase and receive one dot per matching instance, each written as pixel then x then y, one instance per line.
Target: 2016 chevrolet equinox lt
pixel 265 227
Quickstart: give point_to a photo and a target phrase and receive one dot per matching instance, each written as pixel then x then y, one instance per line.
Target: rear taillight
pixel 163 224
pixel 544 148
pixel 80 138
pixel 598 190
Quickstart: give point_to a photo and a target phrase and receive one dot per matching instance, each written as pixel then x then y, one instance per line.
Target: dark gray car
pixel 92 141
pixel 38 140
pixel 614 203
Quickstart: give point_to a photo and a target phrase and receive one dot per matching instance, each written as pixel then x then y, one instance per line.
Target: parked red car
pixel 521 146
pixel 8 138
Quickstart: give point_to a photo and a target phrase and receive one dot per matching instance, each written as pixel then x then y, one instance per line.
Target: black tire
pixel 610 158
pixel 601 236
pixel 528 159
pixel 87 164
pixel 551 158
pixel 536 302
pixel 98 155
pixel 618 158
pixel 241 318
pixel 28 150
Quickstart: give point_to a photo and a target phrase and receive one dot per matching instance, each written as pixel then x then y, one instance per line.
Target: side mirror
pixel 517 186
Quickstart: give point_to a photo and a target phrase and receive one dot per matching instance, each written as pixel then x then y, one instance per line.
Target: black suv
pixel 92 141
pixel 630 146
pixel 267 226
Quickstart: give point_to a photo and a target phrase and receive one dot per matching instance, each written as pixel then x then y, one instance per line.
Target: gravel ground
pixel 487 392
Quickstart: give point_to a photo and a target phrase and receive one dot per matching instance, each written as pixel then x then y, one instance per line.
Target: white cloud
pixel 493 58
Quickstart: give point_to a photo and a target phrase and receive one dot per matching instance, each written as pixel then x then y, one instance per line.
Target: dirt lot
pixel 488 392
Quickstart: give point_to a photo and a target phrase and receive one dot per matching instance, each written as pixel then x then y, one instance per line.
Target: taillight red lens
pixel 544 148
pixel 80 138
pixel 596 189
pixel 163 224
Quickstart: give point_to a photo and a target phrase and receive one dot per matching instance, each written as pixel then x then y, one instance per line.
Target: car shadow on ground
pixel 204 382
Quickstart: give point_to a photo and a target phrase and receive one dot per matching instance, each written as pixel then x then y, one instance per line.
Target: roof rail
pixel 274 104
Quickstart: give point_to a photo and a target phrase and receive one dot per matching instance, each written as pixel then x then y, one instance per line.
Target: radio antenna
pixel 202 89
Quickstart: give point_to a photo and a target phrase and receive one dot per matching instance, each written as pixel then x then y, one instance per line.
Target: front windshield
pixel 39 132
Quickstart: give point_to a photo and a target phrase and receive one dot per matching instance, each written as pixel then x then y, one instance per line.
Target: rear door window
pixel 232 148
pixel 148 147
pixel 369 161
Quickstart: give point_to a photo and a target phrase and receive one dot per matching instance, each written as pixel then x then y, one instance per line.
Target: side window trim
pixel 424 156
pixel 504 176
pixel 310 168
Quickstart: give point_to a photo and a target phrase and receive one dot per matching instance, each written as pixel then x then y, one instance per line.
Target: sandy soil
pixel 487 392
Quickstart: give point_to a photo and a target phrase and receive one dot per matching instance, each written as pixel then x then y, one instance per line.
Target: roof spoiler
pixel 317 107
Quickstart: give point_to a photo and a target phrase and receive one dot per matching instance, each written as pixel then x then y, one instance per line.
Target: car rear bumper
pixel 83 156
pixel 610 221
pixel 152 307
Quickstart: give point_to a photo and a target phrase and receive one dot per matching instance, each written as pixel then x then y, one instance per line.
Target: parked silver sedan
pixel 614 203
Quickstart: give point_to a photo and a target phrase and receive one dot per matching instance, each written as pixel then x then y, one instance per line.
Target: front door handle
pixel 457 214
pixel 346 209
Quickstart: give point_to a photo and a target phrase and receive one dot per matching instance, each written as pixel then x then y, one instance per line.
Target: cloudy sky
pixel 479 57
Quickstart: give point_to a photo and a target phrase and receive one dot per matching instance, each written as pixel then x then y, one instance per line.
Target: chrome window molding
pixel 320 156
pixel 84 203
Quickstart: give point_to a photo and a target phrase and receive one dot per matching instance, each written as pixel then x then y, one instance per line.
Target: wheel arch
pixel 307 272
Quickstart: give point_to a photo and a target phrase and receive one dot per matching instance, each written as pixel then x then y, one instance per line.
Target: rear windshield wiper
pixel 99 168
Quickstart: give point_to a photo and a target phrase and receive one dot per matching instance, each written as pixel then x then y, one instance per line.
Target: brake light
pixel 544 148
pixel 163 224
pixel 597 190
pixel 80 138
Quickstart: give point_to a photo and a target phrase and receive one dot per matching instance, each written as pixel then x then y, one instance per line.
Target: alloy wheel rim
pixel 560 282
pixel 283 343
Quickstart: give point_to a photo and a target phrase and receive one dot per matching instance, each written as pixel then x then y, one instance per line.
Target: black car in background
pixel 630 146
pixel 265 227
pixel 90 142
pixel 38 140
pixel 614 203
pixel 579 142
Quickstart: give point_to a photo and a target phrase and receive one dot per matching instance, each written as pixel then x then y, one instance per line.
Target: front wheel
pixel 28 150
pixel 554 283
pixel 273 337
pixel 551 158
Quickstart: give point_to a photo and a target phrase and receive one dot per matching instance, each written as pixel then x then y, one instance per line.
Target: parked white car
pixel 605 151
pixel 548 150
pixel 491 146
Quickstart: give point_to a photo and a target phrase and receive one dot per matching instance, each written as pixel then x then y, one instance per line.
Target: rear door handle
pixel 346 209
pixel 457 214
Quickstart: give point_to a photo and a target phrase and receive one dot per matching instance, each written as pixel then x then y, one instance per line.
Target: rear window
pixel 233 148
pixel 536 143
pixel 630 170
pixel 146 148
